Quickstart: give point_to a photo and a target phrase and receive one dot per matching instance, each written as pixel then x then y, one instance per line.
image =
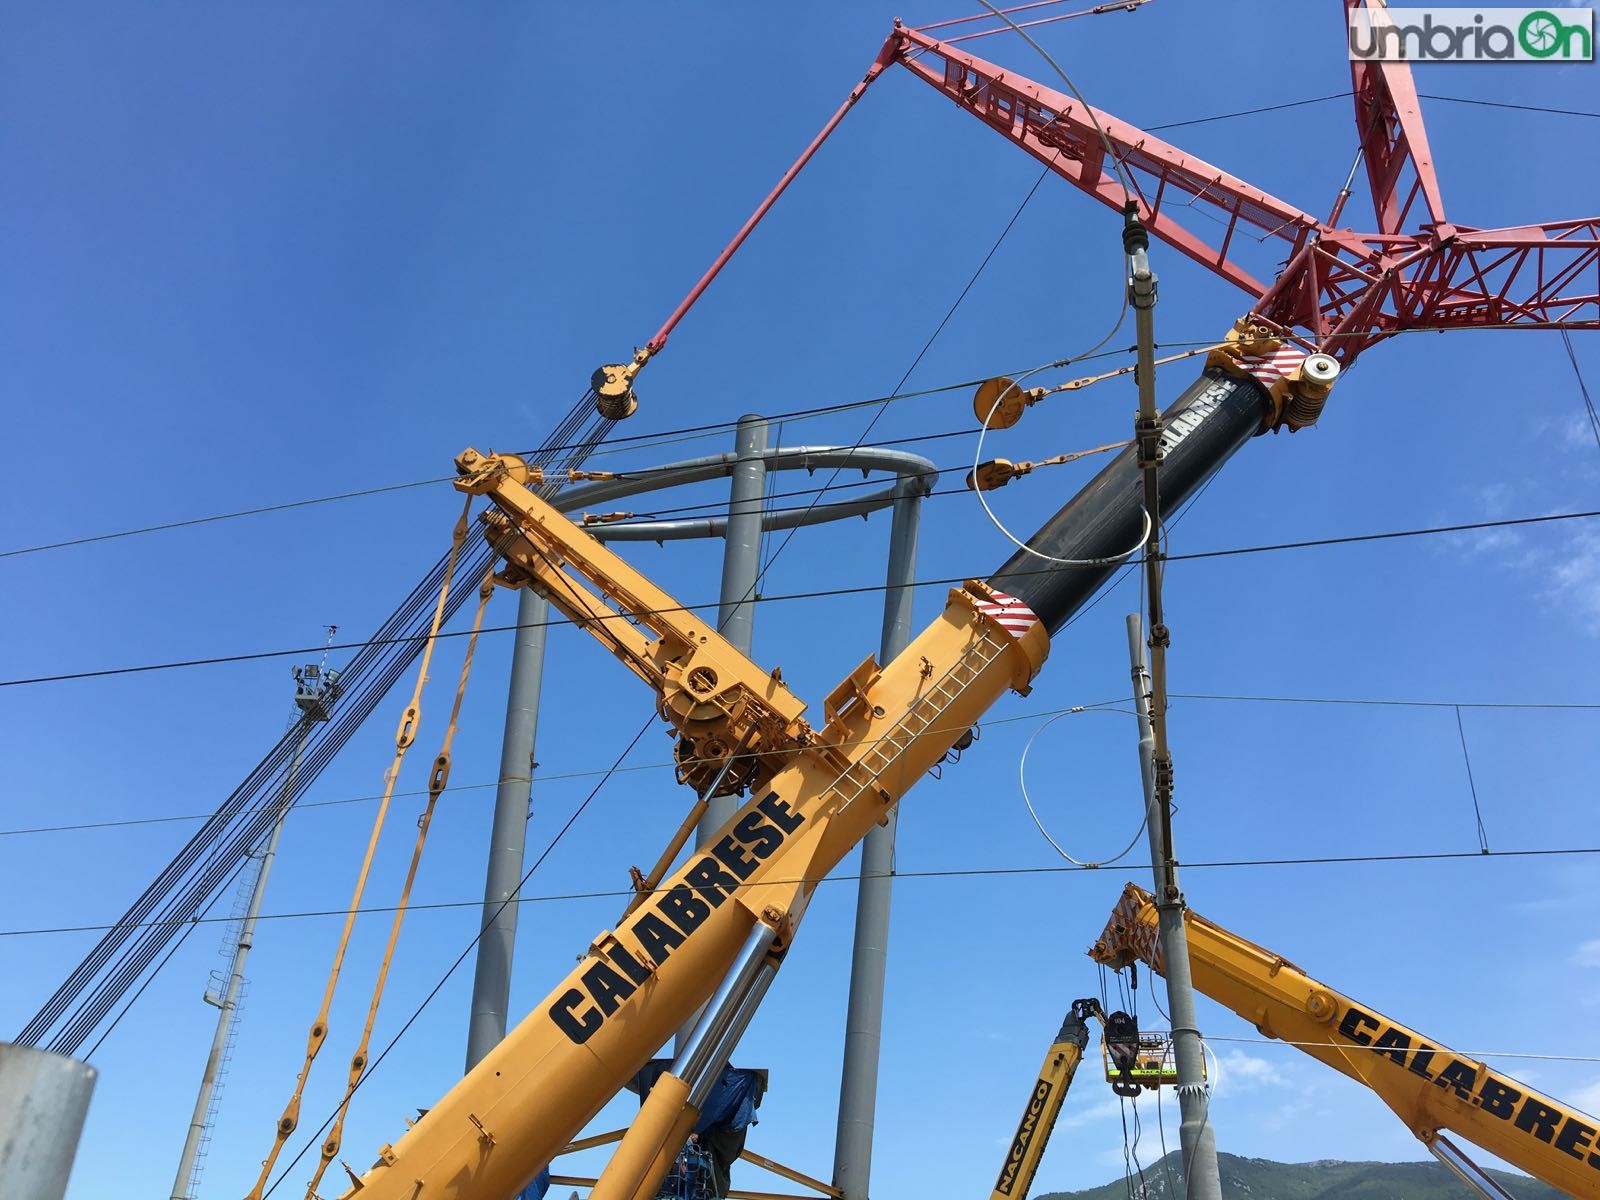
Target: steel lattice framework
pixel 1342 289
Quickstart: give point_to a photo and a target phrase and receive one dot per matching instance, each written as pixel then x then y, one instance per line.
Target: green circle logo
pixel 1541 33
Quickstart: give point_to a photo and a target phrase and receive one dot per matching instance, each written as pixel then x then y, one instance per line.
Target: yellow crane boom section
pixel 1039 1115
pixel 815 795
pixel 1430 1087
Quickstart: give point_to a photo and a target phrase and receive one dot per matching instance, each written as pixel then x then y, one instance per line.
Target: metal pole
pixel 43 1100
pixel 491 981
pixel 863 1036
pixel 1196 1135
pixel 741 567
pixel 228 1004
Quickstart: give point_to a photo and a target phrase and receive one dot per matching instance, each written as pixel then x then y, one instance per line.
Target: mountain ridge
pixel 1323 1179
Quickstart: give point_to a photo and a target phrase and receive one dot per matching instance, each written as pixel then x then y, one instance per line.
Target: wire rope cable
pixel 1022 783
pixel 977 457
pixel 484 926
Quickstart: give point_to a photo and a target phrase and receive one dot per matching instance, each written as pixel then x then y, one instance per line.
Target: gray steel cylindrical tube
pixel 741 568
pixel 44 1098
pixel 695 1055
pixel 1196 1136
pixel 863 1033
pixel 491 981
pixel 726 1044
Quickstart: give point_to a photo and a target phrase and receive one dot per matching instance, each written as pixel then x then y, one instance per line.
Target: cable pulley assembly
pixel 997 472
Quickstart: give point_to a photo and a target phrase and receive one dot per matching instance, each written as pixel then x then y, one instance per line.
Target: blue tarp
pixel 536 1189
pixel 733 1101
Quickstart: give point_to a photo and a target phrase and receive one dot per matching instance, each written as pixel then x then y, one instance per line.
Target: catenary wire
pixel 1104 705
pixel 542 780
pixel 1313 543
pixel 1373 858
pixel 613 446
pixel 689 433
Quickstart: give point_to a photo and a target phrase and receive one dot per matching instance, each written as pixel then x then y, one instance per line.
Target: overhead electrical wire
pixel 113 967
pixel 669 437
pixel 612 447
pixel 821 593
pixel 1370 859
pixel 1267 108
pixel 544 780
pixel 1472 784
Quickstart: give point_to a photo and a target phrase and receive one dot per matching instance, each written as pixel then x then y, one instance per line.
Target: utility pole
pixel 316 688
pixel 1197 1139
pixel 1195 1134
pixel 863 1029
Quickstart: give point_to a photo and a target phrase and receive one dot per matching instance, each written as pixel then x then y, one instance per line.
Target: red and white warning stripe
pixel 1011 614
pixel 1273 365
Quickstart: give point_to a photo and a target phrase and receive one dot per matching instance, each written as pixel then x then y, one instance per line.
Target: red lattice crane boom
pixel 1341 289
pixel 1338 290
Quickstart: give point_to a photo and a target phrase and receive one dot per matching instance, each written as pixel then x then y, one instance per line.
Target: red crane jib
pixel 1344 289
pixel 1340 290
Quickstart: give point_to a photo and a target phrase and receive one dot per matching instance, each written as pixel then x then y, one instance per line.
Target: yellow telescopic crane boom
pixel 729 912
pixel 1044 1103
pixel 718 927
pixel 1431 1088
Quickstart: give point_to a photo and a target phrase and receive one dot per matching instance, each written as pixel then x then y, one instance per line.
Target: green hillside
pixel 1260 1179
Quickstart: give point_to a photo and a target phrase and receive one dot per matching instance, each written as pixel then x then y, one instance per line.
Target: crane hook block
pixel 614 397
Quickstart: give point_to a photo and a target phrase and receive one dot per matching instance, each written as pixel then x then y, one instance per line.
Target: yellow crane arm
pixel 712 694
pixel 1044 1103
pixel 815 797
pixel 1430 1087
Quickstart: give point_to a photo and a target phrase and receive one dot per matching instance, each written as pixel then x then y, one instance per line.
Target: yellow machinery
pixel 1430 1088
pixel 729 912
pixel 1134 1061
pixel 1044 1102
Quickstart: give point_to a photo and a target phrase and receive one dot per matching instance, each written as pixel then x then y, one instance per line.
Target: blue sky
pixel 260 253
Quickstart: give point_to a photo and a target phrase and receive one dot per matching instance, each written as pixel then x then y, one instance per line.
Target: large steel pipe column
pixel 863 1031
pixel 43 1100
pixel 741 569
pixel 508 834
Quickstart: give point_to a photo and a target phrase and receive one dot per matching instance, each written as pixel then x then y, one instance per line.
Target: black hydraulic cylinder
pixel 1216 415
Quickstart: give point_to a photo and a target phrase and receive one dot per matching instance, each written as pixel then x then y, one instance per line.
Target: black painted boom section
pixel 1216 415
